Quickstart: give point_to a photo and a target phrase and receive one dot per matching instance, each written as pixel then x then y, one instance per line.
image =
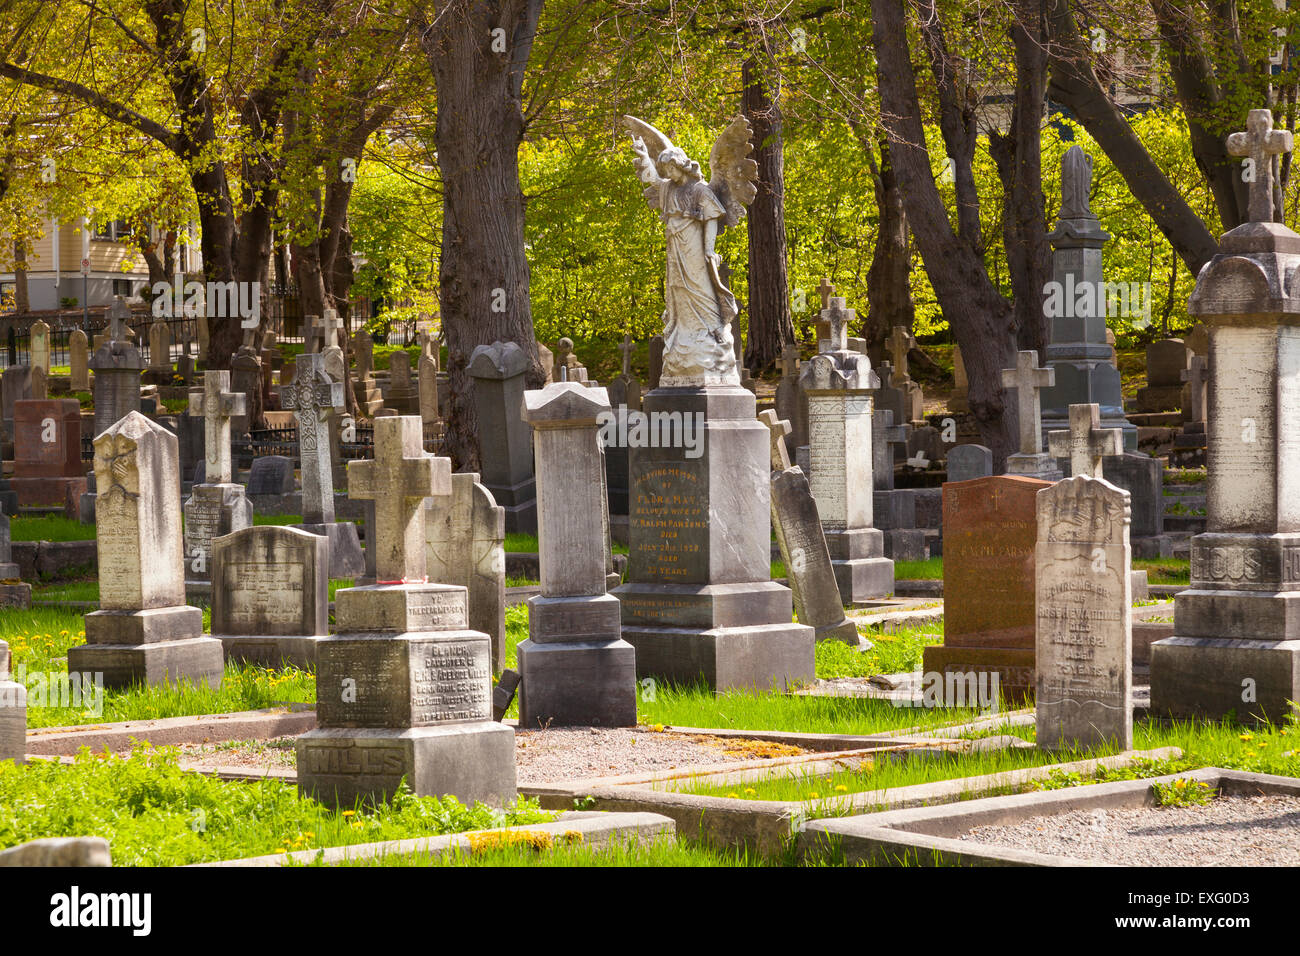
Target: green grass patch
pixel 562 852
pixel 277 519
pixel 50 528
pixel 930 568
pixel 89 590
pixel 1164 570
pixel 155 814
pixel 892 652
pixel 527 543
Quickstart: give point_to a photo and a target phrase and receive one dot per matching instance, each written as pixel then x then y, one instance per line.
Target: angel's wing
pixel 733 174
pixel 655 143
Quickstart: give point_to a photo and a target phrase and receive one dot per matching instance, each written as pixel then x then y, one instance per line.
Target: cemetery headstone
pixel 1077 351
pixel 465 545
pixel 13 713
pixel 787 399
pixel 160 354
pixel 217 505
pixel 143 632
pixel 625 389
pixel 271 475
pixel 575 668
pixel 1189 445
pixel 1085 443
pixel 78 359
pixel 1234 648
pixel 505 440
pixel 966 462
pixel 1083 606
pixel 1167 359
pixel 369 398
pixel 428 372
pixel 16 386
pixel 1028 379
pixel 47 453
pixel 39 345
pixel 401 394
pixel 837 383
pixel 270 595
pixel 13 592
pixel 404 687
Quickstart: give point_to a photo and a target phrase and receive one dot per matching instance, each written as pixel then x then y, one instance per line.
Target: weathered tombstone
pixel 144 632
pixel 245 378
pixel 786 402
pixel 837 383
pixel 969 461
pixel 1234 649
pixel 625 389
pixel 369 398
pixel 989 533
pixel 13 592
pixel 1189 445
pixel 401 395
pixel 894 400
pixel 404 688
pixel 1142 476
pixel 505 440
pixel 13 713
pixel 270 595
pixel 1027 379
pixel 802 543
pixel 1083 606
pixel 16 386
pixel 618 457
pixel 79 358
pixel 313 396
pixel 465 545
pixel 575 668
pixel 201 321
pixel 885 436
pixel 1167 359
pixel 271 475
pixel 39 345
pixel 160 354
pixel 47 454
pixel 428 372
pixel 218 505
pixel 1077 351
pixel 1085 443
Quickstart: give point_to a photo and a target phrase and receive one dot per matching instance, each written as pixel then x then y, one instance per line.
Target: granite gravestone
pixel 13 713
pixel 990 530
pixel 402 396
pixel 117 366
pixel 505 440
pixel 78 359
pixel 1078 353
pixel 16 386
pixel 270 595
pixel 271 475
pixel 1236 643
pixel 802 543
pixel 1027 379
pixel 625 390
pixel 1189 445
pixel 160 354
pixel 966 462
pixel 313 396
pixel 47 453
pixel 837 384
pixel 218 505
pixel 787 399
pixel 465 538
pixel 1083 606
pixel 1166 361
pixel 575 668
pixel 144 632
pixel 404 688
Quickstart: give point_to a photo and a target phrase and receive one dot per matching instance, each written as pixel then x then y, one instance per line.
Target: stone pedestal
pixel 144 632
pixel 1236 643
pixel 505 441
pixel 700 603
pixel 419 704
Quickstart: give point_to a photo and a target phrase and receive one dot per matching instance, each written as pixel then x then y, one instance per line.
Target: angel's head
pixel 674 164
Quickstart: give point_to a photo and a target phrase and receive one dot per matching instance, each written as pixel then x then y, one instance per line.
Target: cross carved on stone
pixel 777 429
pixel 118 316
pixel 839 318
pixel 1260 143
pixel 1198 378
pixel 626 348
pixel 1027 378
pixel 217 405
pixel 885 372
pixel 324 330
pixel 826 290
pixel 891 434
pixel 1086 442
pixel 399 478
pixel 313 395
pixel 901 342
pixel 790 362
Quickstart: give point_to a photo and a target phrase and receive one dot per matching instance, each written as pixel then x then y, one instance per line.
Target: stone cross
pixel 777 430
pixel 626 349
pixel 1086 442
pixel 885 372
pixel 839 318
pixel 1261 142
pixel 790 362
pixel 1026 378
pixel 217 404
pixel 314 396
pixel 399 478
pixel 1198 379
pixel 118 316
pixel 330 326
pixel 900 342
pixel 827 289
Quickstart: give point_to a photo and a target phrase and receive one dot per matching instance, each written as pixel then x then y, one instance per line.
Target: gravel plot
pixel 1230 831
pixel 543 756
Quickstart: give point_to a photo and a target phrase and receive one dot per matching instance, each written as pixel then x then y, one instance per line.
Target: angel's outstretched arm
pixel 645 167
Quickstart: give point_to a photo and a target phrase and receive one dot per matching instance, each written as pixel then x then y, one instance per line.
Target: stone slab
pixel 197 659
pixel 577 683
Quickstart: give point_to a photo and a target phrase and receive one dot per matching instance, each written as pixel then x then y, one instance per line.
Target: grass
pixel 66 591
pixel 521 852
pixel 891 653
pixel 277 519
pixel 1164 570
pixel 527 543
pixel 50 528
pixel 930 568
pixel 155 814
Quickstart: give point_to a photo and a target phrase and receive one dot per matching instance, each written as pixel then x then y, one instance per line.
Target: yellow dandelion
pixel 813 795
pixel 732 796
pixel 841 789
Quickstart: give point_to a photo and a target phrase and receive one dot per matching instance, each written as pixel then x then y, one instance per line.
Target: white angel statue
pixel 698 306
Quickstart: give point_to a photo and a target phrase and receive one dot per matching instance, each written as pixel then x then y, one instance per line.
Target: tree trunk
pixel 483 276
pixel 980 318
pixel 22 301
pixel 771 325
pixel 889 288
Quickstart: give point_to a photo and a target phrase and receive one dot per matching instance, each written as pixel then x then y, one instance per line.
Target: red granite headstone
pixel 47 451
pixel 989 533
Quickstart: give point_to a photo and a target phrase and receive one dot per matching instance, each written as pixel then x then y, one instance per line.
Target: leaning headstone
pixel 1028 379
pixel 1235 648
pixel 144 632
pixel 1084 634
pixel 117 366
pixel 404 687
pixel 47 453
pixel 989 532
pixel 217 505
pixel 313 396
pixel 802 543
pixel 270 595
pixel 78 359
pixel 837 383
pixel 505 440
pixel 465 545
pixel 969 461
pixel 13 712
pixel 271 475
pixel 575 668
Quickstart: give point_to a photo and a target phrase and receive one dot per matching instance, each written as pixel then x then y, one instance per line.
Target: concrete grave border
pixel 931 834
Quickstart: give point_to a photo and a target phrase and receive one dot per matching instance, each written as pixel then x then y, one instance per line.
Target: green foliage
pixel 50 528
pixel 1183 792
